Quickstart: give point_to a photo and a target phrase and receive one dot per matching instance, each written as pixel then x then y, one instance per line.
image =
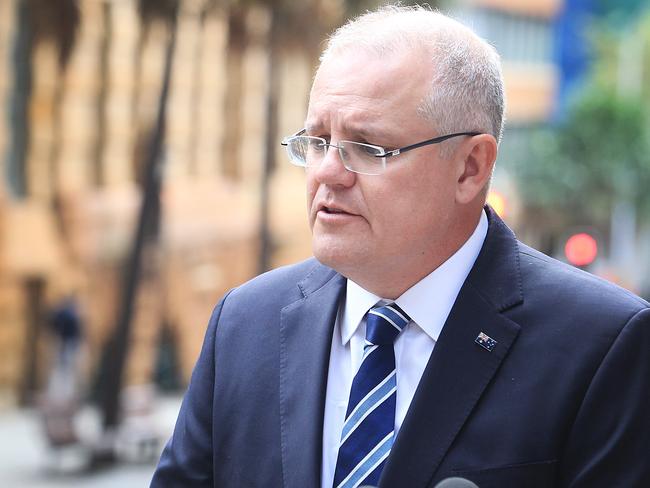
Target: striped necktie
pixel 368 431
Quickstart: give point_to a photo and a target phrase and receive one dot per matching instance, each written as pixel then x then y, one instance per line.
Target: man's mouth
pixel 331 210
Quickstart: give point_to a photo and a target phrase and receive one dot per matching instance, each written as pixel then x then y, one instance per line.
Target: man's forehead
pixel 353 95
pixel 359 74
pixel 363 57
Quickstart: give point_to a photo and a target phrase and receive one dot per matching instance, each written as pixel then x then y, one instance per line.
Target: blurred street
pixel 26 461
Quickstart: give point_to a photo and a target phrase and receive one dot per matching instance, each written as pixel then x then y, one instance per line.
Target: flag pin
pixel 485 341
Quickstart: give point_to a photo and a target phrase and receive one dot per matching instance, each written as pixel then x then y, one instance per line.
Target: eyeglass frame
pixel 385 154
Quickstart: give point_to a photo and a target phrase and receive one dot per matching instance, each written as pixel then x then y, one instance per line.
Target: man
pixel 424 341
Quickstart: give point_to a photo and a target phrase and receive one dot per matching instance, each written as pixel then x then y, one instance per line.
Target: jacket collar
pixel 306 328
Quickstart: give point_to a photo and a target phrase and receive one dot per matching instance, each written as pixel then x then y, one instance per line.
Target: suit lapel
pixel 455 377
pixel 459 370
pixel 305 340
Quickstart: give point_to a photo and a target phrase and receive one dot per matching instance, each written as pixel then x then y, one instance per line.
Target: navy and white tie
pixel 368 431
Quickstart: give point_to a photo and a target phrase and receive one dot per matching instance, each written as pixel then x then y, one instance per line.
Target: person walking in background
pixel 61 398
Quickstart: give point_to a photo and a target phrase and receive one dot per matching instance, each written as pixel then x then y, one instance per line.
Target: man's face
pixel 393 225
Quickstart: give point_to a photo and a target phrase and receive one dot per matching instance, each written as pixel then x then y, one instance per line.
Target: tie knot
pixel 384 323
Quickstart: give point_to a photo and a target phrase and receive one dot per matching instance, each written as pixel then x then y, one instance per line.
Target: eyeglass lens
pixel 356 156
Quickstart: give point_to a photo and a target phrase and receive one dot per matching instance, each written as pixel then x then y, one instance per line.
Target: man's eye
pixel 317 145
pixel 369 143
pixel 369 150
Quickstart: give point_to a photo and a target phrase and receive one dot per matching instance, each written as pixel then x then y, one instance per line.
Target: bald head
pixel 466 87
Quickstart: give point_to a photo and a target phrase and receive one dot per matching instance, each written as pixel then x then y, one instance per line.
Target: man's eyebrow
pixel 312 127
pixel 353 130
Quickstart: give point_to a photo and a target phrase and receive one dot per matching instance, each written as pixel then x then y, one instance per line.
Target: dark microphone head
pixel 456 483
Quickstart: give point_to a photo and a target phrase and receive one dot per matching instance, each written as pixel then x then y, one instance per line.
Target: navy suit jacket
pixel 563 399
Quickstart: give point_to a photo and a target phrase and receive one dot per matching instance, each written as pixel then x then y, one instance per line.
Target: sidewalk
pixel 26 461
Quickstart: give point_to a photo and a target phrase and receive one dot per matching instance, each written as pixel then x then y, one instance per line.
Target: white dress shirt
pixel 428 303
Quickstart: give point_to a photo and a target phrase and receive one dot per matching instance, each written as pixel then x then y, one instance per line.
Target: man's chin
pixel 326 257
pixel 334 254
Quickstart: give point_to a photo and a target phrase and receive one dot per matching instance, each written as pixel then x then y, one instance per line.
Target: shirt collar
pixel 357 302
pixel 430 300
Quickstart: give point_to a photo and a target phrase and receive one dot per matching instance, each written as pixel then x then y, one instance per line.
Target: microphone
pixel 456 483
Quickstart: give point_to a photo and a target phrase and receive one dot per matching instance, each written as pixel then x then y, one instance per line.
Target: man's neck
pixel 391 281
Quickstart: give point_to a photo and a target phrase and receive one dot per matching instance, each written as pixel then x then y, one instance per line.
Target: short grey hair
pixel 467 90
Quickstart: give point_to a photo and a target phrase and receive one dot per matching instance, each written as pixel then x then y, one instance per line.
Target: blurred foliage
pixel 619 12
pixel 599 154
pixel 622 49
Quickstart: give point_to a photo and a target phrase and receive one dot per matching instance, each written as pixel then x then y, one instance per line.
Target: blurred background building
pixel 82 147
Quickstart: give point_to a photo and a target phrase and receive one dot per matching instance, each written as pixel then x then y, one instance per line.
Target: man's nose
pixel 332 171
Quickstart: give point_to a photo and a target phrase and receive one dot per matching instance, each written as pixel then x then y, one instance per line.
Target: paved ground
pixel 27 462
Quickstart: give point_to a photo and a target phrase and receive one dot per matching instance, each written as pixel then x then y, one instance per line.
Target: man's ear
pixel 476 158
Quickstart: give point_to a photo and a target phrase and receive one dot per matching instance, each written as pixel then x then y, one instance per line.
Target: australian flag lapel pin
pixel 485 341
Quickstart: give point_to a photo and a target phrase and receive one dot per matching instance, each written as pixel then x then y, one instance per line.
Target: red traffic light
pixel 581 249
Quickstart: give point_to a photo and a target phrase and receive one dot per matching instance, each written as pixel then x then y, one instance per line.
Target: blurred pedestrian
pixel 61 398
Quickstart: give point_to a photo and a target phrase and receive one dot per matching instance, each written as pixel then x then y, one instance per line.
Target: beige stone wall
pixel 196 279
pixel 204 256
pixel 208 107
pixel 12 335
pixel 288 199
pixel 74 165
pixel 116 160
pixel 44 85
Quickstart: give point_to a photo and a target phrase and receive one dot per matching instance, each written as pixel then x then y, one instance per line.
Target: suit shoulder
pixel 563 282
pixel 283 285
